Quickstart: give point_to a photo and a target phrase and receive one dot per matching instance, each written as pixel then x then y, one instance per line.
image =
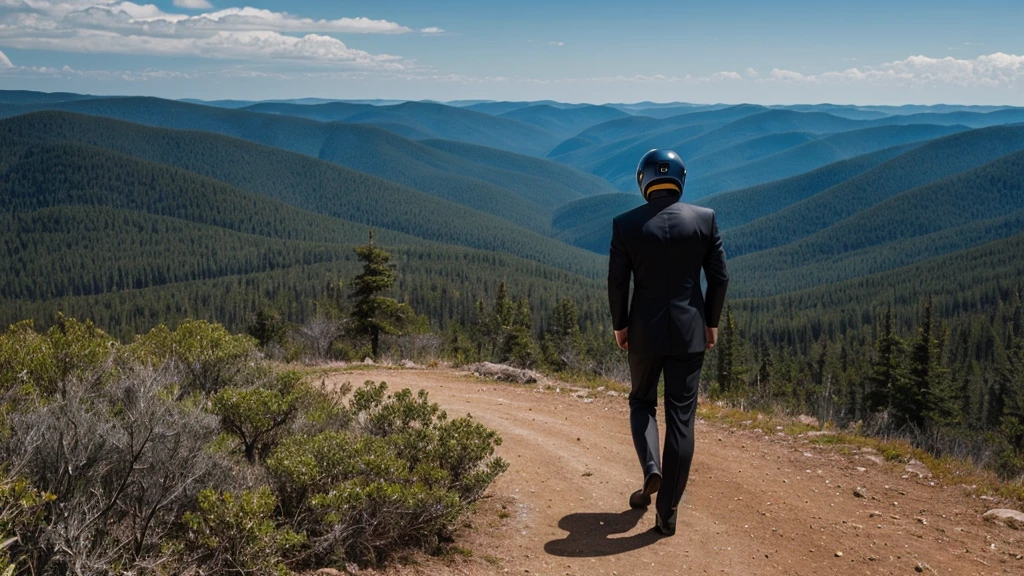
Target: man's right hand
pixel 622 338
pixel 712 337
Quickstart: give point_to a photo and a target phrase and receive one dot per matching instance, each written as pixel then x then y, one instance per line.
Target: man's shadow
pixel 589 534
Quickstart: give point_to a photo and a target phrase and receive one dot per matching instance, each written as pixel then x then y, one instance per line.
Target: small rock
pixel 367 360
pixel 839 554
pixel 919 568
pixel 875 458
pixel 860 492
pixel 918 467
pixel 1007 517
pixel 807 420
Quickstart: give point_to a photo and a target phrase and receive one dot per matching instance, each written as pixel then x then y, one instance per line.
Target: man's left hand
pixel 622 338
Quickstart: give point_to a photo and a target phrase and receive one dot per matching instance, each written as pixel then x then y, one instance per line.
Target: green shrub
pixel 1008 441
pixel 303 466
pixel 22 519
pixel 256 416
pixel 382 415
pixel 323 410
pixel 268 327
pixel 401 478
pixel 421 434
pixel 237 534
pixel 368 522
pixel 210 357
pixel 45 363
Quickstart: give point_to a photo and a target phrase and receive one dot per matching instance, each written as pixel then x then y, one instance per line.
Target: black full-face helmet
pixel 660 170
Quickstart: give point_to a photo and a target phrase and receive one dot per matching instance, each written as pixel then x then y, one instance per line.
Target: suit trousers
pixel 682 377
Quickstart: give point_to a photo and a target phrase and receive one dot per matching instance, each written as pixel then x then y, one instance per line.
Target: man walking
pixel 668 323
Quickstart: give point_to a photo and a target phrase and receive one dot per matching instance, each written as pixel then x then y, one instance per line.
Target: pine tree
pixel 1011 421
pixel 372 313
pixel 728 374
pixel 764 372
pixel 518 345
pixel 887 373
pixel 563 343
pixel 912 400
pixel 267 326
pixel 483 329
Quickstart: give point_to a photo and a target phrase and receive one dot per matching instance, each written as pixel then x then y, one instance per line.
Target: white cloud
pixel 752 73
pixel 193 4
pixel 226 45
pixel 113 26
pixel 786 75
pixel 554 43
pixel 726 76
pixel 5 62
pixel 990 70
pixel 431 30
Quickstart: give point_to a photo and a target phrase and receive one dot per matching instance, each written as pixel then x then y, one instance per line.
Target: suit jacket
pixel 664 244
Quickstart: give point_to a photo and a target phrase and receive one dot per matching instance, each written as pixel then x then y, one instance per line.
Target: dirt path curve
pixel 754 505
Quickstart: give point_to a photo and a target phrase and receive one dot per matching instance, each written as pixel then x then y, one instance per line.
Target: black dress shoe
pixel 652 484
pixel 662 527
pixel 638 500
pixel 642 498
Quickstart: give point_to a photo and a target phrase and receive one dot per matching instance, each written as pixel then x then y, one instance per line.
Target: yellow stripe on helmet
pixel 663 186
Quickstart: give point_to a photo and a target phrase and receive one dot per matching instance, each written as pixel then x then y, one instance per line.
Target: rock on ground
pixel 919 468
pixel 504 373
pixel 1007 517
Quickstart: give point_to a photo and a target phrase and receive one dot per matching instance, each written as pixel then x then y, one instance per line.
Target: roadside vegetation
pixel 185 450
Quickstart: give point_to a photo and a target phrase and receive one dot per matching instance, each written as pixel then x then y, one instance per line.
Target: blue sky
pixel 787 51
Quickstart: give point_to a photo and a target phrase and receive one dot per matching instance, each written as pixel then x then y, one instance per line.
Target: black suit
pixel 664 245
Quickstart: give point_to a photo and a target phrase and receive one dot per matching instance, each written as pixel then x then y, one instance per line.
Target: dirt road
pixel 755 504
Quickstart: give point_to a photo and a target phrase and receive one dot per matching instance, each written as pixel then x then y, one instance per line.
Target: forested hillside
pixel 959 212
pixel 818 152
pixel 939 159
pixel 514 191
pixel 742 206
pixel 298 180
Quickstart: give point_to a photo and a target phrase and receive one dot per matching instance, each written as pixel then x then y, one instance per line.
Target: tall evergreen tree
pixel 373 313
pixel 764 373
pixel 728 368
pixel 887 372
pixel 518 345
pixel 914 398
pixel 1011 422
pixel 563 343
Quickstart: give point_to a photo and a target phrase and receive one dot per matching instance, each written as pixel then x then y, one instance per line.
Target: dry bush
pixel 123 463
pixel 419 348
pixel 318 334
